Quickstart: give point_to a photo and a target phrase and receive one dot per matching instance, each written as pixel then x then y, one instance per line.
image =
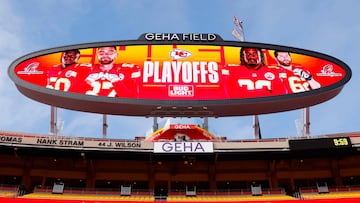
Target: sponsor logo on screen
pixel 181 90
pixel 328 70
pixel 32 68
pixel 177 54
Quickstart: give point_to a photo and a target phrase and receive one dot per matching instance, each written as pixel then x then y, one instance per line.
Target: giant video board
pixel 170 74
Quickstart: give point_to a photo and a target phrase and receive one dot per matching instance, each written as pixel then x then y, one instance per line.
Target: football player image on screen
pixel 252 78
pixel 67 75
pixel 297 77
pixel 110 79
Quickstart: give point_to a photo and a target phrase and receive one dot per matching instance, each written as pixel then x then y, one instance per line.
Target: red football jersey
pixel 243 82
pixel 293 80
pixel 68 78
pixel 120 81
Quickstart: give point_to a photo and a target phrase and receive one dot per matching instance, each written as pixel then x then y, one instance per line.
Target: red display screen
pixel 184 72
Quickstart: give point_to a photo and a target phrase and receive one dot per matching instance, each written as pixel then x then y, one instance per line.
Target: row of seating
pixel 205 198
pixel 331 195
pixel 87 197
pixel 228 198
pixel 8 193
pixel 181 197
pixel 198 198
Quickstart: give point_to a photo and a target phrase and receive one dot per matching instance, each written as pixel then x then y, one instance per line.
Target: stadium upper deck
pixel 171 163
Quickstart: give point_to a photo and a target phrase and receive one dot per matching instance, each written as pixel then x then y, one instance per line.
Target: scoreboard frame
pixel 190 106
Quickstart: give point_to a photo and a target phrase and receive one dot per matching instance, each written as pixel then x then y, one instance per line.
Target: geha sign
pixel 183 147
pixel 187 74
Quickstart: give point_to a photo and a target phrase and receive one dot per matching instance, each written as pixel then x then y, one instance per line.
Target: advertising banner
pixel 183 147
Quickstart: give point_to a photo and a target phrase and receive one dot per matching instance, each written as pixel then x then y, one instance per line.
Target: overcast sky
pixel 328 26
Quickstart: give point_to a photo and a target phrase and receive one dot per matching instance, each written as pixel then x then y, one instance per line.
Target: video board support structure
pixel 105 126
pixel 206 123
pixel 155 124
pixel 306 127
pixel 53 120
pixel 257 132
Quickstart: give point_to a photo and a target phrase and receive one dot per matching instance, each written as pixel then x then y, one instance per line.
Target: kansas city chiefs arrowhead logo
pixel 177 54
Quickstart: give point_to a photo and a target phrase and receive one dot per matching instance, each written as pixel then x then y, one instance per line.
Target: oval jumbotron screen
pixel 182 75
